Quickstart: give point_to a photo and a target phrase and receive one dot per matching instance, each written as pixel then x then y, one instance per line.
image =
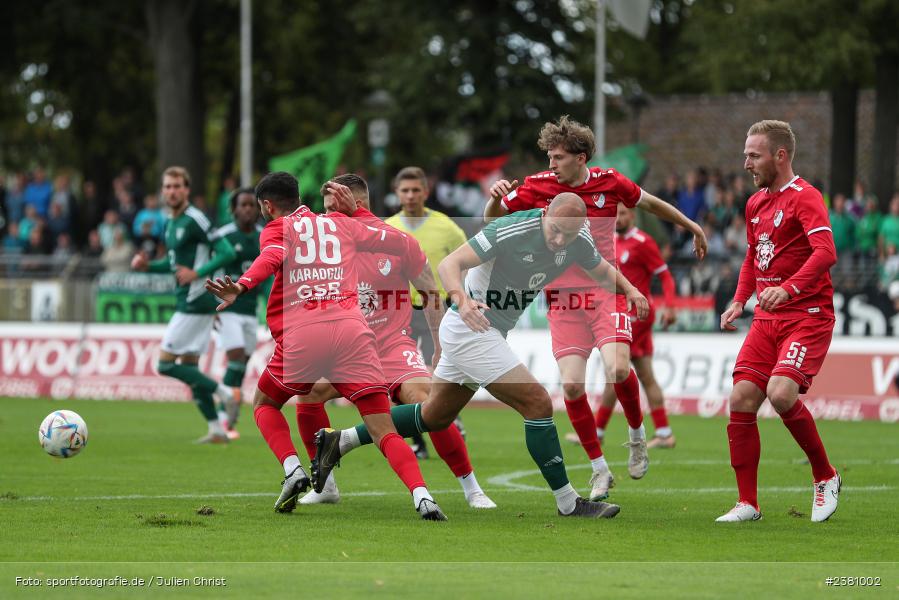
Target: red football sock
pixel 745 451
pixel 402 460
pixel 628 392
pixel 603 414
pixel 582 420
pixel 451 448
pixel 659 418
pixel 802 425
pixel 275 430
pixel 311 418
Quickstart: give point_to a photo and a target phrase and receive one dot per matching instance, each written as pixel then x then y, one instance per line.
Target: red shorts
pixel 642 332
pixel 583 319
pixel 401 361
pixel 794 349
pixel 344 351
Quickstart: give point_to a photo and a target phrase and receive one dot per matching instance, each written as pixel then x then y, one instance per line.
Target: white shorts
pixel 236 331
pixel 187 334
pixel 469 358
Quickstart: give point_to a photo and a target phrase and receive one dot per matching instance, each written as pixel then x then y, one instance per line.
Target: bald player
pixel 509 262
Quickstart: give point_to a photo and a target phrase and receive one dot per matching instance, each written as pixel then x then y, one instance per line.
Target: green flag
pixel 627 160
pixel 315 164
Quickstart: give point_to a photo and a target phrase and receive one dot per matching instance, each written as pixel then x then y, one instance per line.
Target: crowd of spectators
pixel 44 225
pixel 51 222
pixel 866 238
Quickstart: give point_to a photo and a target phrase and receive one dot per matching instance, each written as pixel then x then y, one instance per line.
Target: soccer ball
pixel 63 433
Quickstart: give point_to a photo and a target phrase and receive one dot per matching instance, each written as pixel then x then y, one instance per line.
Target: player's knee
pixel 165 367
pixel 538 404
pixel 261 399
pixel 782 395
pixel 618 372
pixel 573 389
pixel 741 402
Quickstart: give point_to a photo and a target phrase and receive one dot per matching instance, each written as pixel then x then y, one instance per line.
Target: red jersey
pixel 383 287
pixel 639 259
pixel 601 192
pixel 313 258
pixel 783 228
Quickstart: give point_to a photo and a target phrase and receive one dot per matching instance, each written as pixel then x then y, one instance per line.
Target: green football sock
pixel 543 443
pixel 406 419
pixel 234 373
pixel 201 386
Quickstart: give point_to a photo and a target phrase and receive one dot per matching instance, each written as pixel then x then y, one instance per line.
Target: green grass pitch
pixel 128 505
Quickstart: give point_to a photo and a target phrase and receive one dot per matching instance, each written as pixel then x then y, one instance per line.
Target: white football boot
pixel 600 483
pixel 478 499
pixel 743 511
pixel 826 496
pixel 329 495
pixel 638 458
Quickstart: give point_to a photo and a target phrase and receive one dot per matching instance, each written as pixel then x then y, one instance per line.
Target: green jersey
pixel 189 238
pixel 517 264
pixel 247 247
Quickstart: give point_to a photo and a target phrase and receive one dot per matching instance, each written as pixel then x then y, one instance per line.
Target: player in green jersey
pixel 235 330
pixel 509 262
pixel 194 252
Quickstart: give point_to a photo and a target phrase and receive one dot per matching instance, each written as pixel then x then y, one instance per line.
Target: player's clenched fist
pixel 139 262
pixel 502 188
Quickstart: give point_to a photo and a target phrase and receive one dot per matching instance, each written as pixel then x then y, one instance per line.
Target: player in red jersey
pixel 639 259
pixel 581 316
pixel 314 317
pixel 788 259
pixel 386 303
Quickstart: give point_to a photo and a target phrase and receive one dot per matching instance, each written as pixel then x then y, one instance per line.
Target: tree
pixel 179 100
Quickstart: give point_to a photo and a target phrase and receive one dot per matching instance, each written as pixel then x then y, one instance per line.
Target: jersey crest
pixel 764 251
pixel 384 266
pixel 599 200
pixel 560 257
pixel 368 299
pixel 778 218
pixel 624 256
pixel 536 279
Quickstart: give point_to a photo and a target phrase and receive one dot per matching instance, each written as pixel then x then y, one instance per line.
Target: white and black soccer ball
pixel 63 433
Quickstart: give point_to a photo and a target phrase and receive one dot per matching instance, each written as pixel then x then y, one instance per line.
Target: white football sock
pixel 664 432
pixel 637 434
pixel 215 427
pixel 565 498
pixel 291 463
pixel 420 493
pixel 349 440
pixel 599 464
pixel 223 391
pixel 469 484
pixel 223 417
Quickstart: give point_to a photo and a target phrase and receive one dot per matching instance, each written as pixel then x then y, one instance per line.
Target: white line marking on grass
pixel 506 482
pixel 501 480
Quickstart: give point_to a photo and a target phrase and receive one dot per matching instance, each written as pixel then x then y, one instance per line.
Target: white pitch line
pixel 507 487
pixel 507 480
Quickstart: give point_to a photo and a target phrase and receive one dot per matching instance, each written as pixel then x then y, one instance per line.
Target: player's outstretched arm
pixel 226 289
pixel 433 306
pixel 666 211
pixel 494 208
pixel 450 271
